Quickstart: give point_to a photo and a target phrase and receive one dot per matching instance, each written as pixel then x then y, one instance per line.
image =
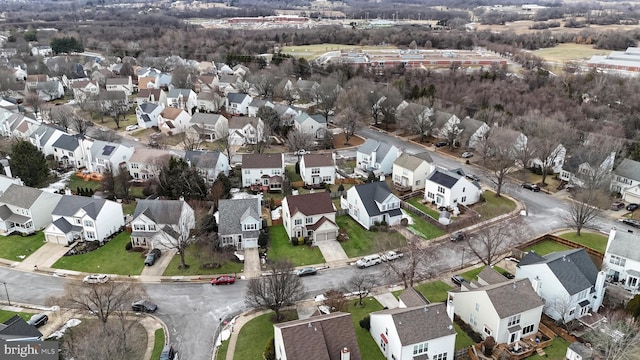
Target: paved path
pixel 45 256
pixel 387 300
pixel 252 267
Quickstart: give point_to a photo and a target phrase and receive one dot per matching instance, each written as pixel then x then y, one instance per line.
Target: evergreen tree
pixel 28 163
pixel 178 179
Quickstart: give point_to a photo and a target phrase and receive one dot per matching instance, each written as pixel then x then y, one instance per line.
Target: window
pixel 464 199
pixel 91 235
pixel 572 311
pixel 308 220
pixel 227 240
pixel 486 330
pixel 417 182
pixel 514 320
pixel 420 348
pixel 247 171
pixel 326 179
pixel 133 166
pixel 248 227
pixel 617 260
pixel 152 228
pixel 88 223
pixel 473 320
pixel 527 329
pixel 138 227
pixel 442 356
pixel 383 345
pixel 315 171
pixel 430 195
pixel 297 222
pixel 441 189
pixel 477 306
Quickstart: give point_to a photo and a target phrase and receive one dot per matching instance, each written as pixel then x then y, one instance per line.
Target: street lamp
pixel 462 259
pixel 6 291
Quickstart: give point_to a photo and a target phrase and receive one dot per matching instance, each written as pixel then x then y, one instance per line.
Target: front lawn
pixel 557 350
pixel 590 240
pixel 112 258
pixel 194 262
pixel 546 247
pixel 368 347
pixel 17 247
pixel 363 242
pixel 6 315
pixel 256 334
pixel 417 202
pixel 158 344
pixel 281 249
pixel 425 229
pixel 494 206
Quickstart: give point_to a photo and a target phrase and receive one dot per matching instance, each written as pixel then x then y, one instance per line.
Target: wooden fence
pixel 458 224
pixel 595 255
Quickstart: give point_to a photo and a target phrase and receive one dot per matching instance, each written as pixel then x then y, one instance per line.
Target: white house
pixel 239 222
pixel 327 336
pixel 84 89
pixel 172 120
pixel 318 168
pixel 578 167
pixel 568 281
pixel 506 309
pixel 147 114
pixel 49 90
pixel 208 163
pixel 315 125
pixel 83 218
pixel 41 50
pixel 185 99
pixel 105 155
pixel 579 351
pixel 371 203
pixel 124 84
pixel 146 163
pixel 209 127
pixel 161 223
pixel 410 171
pixel 255 104
pixel 449 188
pixel 260 169
pixel 409 333
pixel 473 131
pixel 311 215
pixel 622 260
pixel 555 161
pixel 376 156
pixel 25 210
pixel 244 130
pixel 626 180
pixel 237 103
pixel 71 151
pixel 154 96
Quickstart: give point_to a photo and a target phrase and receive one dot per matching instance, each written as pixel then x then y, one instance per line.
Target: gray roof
pixel 202 159
pixel 491 276
pixel 118 81
pixel 443 177
pixel 65 226
pixel 629 169
pixel 232 211
pixel 411 297
pixel 259 102
pixel 45 131
pixel 236 97
pixel 17 328
pixel 441 119
pixel 511 297
pixel 421 323
pixel 174 93
pixel 470 125
pixel 148 107
pixel 573 268
pixel 160 211
pixel 412 162
pixel 20 196
pixel 371 193
pixel 104 150
pixel 625 245
pixel 370 146
pixel 70 204
pixel 586 352
pixel 205 118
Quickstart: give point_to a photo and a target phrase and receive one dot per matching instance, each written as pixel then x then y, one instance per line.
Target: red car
pixel 223 280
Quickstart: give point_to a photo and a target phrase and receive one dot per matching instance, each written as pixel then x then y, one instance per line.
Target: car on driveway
pixel 131 127
pixel 617 205
pixel 632 207
pixel 467 154
pixel 223 280
pixel 307 271
pixel 532 187
pixel 458 280
pixel 144 306
pixel 96 278
pixel 152 257
pixel 38 320
pixel 631 222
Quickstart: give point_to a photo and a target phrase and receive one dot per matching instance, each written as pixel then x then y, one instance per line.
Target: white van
pixel 369 261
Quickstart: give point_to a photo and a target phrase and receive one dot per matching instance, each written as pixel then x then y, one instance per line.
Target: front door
pixel 514 337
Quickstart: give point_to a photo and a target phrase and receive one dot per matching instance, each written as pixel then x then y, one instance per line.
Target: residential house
pixel 101 76
pixel 147 114
pixel 25 210
pixel 173 120
pixel 417 116
pixel 71 151
pixel 245 130
pixel 45 136
pixel 582 166
pixel 203 81
pixel 120 84
pixel 622 260
pixel 146 163
pixel 154 96
pixel 113 100
pixel 237 103
pixel 84 219
pixel 209 127
pixel 473 132
pixel 184 99
pixel 316 169
pixel 579 351
pixel 372 203
pixel 410 171
pixel 326 337
pixel 228 83
pixel 41 50
pixel 241 70
pixel 85 89
pixel 506 309
pixel 310 215
pixel 161 224
pixel 147 82
pixel 444 122
pixel 7 52
pixel 209 99
pixel 239 222
pixel 265 171
pixel 208 163
pixel 626 180
pixel 410 297
pixel 555 161
pixel 33 80
pixel 315 125
pixel 256 103
pixel 49 90
pixel 376 156
pixel 450 188
pixel 103 156
pixel 305 89
pixel 19 126
pixel 419 332
pixel 568 281
pixel 286 114
pixel 7 180
pixel 17 329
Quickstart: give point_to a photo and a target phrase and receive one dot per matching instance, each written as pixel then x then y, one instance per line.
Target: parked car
pixel 369 260
pixel 440 144
pixel 617 205
pixel 223 280
pixel 508 275
pixel 473 177
pixel 458 280
pixel 467 154
pixel 631 222
pixel 632 207
pixel 168 353
pixel 532 187
pixel 96 278
pixel 391 255
pixel 131 127
pixel 457 236
pixel 144 306
pixel 306 271
pixel 38 320
pixel 152 256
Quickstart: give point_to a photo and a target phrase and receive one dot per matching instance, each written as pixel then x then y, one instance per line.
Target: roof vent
pixel 309 325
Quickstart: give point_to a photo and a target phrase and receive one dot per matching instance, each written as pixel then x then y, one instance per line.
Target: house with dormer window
pixel 161 223
pixel 372 203
pixel 626 180
pixel 311 215
pixel 239 222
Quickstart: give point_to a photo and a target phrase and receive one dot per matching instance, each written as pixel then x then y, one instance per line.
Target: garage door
pixel 330 235
pixel 631 198
pixel 57 239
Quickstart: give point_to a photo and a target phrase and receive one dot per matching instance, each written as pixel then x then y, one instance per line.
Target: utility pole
pixel 7 292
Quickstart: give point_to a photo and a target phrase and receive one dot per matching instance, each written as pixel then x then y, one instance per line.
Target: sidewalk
pixel 235 327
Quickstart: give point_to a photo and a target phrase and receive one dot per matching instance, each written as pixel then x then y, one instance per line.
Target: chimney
pixel 345 354
pixel 153 97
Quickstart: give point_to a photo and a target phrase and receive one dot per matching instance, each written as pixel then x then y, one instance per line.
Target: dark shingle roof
pixel 232 212
pixel 202 159
pixel 310 204
pixel 236 97
pixel 573 268
pixel 148 107
pixel 17 328
pixel 261 161
pixel 411 297
pixel 70 204
pixel 20 196
pixel 66 142
pixel 512 297
pixel 313 160
pixel 444 178
pixel 371 193
pixel 625 245
pixel 160 211
pixel 491 276
pixel 628 168
pixel 420 323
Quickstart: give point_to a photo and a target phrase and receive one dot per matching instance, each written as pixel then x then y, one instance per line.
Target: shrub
pixel 365 323
pixel 128 246
pixel 263 239
pixel 270 350
pixel 404 222
pixel 294 241
pixel 308 241
pixel 341 187
pixel 138 249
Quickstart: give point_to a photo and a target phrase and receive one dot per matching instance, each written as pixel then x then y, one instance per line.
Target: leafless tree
pixel 33 99
pixel 224 144
pixel 213 97
pixel 417 119
pixel 388 104
pixel 115 105
pixel 618 338
pixel 498 149
pixel 183 77
pixel 450 131
pixel 413 264
pixel 6 81
pixel 336 301
pixel 326 96
pixel 263 143
pixel 279 289
pixel 286 91
pixel 361 284
pixel 560 305
pixel 490 241
pixel 80 125
pixel 298 140
pixel 352 107
pixel 584 208
pixel 108 181
pixel 62 116
pixel 178 236
pixel 270 117
pixel 548 136
pixel 264 82
pixel 191 141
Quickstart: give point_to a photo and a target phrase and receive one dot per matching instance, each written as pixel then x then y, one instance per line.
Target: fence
pixel 453 226
pixel 595 255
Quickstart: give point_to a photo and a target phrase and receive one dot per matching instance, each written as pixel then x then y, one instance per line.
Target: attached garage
pixel 631 197
pixel 324 230
pixel 56 239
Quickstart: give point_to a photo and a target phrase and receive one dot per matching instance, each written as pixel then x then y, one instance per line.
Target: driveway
pixel 332 252
pixel 44 257
pixel 160 266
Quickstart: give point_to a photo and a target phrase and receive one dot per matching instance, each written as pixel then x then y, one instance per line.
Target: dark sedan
pixel 632 207
pixel 306 271
pixel 144 306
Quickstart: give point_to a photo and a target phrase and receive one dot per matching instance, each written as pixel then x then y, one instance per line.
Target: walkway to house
pixel 332 252
pixel 161 265
pixel 388 300
pixel 44 257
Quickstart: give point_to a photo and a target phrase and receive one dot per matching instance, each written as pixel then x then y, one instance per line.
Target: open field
pixel 523 26
pixel 313 51
pixel 569 52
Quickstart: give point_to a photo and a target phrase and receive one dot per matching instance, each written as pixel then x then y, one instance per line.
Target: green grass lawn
pixel 6 315
pixel 290 171
pixel 494 206
pixel 568 52
pixel 368 348
pixel 112 258
pixel 222 350
pixel 557 350
pixel 473 273
pixel 435 291
pixel 417 202
pixel 129 208
pixel 191 258
pixel 424 228
pixel 546 247
pixel 363 242
pixel 158 344
pixel 462 339
pixel 76 182
pixel 280 249
pixel 593 241
pixel 13 246
pixel 255 335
